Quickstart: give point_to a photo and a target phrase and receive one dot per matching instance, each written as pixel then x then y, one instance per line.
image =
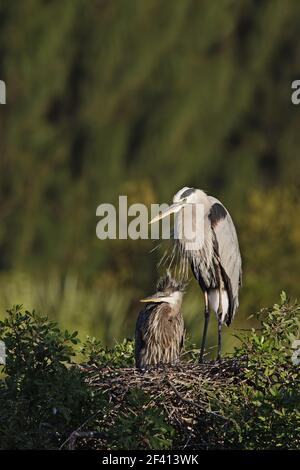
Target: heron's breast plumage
pixel 201 256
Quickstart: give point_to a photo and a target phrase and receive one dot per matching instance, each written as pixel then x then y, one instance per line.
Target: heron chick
pixel 159 331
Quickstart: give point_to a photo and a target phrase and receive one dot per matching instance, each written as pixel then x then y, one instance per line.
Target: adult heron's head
pixel 183 197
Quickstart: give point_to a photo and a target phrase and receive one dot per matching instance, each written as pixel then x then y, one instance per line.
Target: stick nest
pixel 186 392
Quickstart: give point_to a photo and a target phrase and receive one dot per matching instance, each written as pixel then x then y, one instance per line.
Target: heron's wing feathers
pixel 159 335
pixel 183 333
pixel 139 341
pixel 228 248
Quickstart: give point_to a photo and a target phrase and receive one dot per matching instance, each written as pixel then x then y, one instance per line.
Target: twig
pixel 78 429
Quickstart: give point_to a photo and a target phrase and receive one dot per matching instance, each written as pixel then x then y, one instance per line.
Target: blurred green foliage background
pixel 110 97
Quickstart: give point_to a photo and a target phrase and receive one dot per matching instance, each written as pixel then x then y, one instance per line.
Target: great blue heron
pixel 159 332
pixel 215 257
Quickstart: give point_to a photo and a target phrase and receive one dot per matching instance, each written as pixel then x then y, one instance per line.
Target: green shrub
pixel 141 425
pixel 121 355
pixel 266 402
pixel 45 397
pixel 41 397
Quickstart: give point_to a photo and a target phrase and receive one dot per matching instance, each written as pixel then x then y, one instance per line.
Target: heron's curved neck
pixel 174 302
pixel 192 228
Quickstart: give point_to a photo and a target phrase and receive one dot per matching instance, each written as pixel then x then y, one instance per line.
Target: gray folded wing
pixel 228 250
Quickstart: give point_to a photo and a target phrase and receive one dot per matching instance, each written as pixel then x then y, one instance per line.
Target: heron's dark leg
pixel 206 320
pixel 219 338
pixel 219 317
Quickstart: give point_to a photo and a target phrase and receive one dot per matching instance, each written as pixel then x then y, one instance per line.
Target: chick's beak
pixel 158 297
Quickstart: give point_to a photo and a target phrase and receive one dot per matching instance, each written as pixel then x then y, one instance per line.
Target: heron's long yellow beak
pixel 171 210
